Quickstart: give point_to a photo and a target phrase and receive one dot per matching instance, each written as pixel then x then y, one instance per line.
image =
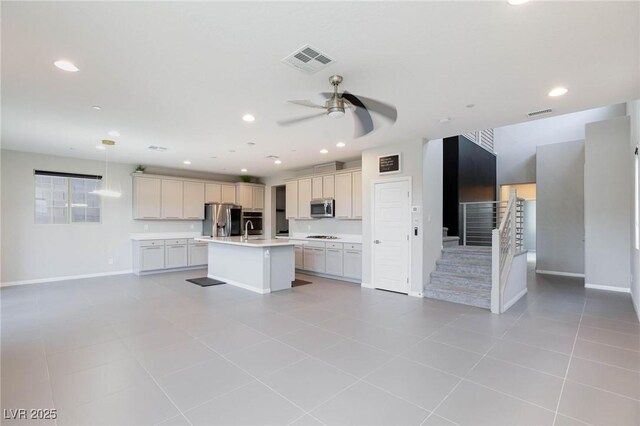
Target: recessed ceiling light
pixel 324 151
pixel 96 107
pixel 470 105
pixel 114 133
pixel 248 118
pixel 244 170
pixel 187 162
pixel 214 157
pixel 444 120
pixel 558 91
pixel 341 144
pixel 278 162
pixel 232 150
pixel 251 143
pixel 101 147
pixel 66 66
pixel 517 2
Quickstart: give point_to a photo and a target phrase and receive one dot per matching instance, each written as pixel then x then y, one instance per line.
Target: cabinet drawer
pixel 178 241
pixel 355 247
pixel 334 246
pixel 149 243
pixel 314 244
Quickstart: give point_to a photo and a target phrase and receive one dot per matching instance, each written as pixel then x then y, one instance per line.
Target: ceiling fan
pixel 335 106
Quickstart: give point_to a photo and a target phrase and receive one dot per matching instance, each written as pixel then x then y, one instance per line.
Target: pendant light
pixel 108 189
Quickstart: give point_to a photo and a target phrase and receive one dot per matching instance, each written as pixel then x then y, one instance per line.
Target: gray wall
pixel 607 182
pixel 32 252
pixel 560 208
pixel 633 108
pixel 516 145
pixel 432 188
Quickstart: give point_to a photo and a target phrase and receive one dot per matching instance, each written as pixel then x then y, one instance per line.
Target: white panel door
pixel 228 193
pixel 212 193
pixel 304 199
pixel 193 200
pixel 172 201
pixel 316 188
pixel 291 206
pixel 390 254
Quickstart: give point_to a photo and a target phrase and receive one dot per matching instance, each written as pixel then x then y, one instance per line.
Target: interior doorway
pixel 528 192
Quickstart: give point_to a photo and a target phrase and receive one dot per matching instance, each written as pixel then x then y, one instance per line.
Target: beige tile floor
pixel 158 350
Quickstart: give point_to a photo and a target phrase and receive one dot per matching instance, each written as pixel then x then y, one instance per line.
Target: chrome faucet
pixel 246 231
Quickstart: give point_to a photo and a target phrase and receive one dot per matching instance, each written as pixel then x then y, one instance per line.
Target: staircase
pixel 448 241
pixel 462 275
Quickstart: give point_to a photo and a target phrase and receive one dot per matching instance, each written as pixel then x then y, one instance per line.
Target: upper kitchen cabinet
pixel 146 198
pixel 193 207
pixel 316 188
pixel 212 193
pixel 228 193
pixel 343 196
pixel 291 206
pixel 172 199
pixel 328 186
pixel 250 196
pixel 304 198
pixel 357 195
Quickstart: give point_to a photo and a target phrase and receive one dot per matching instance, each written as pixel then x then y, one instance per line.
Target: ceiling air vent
pixel 157 148
pixel 308 59
pixel 539 112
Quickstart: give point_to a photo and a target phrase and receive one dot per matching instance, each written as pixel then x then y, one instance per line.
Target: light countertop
pixel 346 238
pixel 164 235
pixel 239 241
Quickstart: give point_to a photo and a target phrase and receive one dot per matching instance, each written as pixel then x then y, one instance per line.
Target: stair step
pixel 463 268
pixel 450 241
pixel 444 278
pixel 465 252
pixel 463 295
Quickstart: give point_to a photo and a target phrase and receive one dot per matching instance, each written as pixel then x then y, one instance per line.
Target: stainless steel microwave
pixel 323 208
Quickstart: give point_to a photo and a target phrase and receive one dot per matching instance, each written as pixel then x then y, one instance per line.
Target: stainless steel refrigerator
pixel 222 220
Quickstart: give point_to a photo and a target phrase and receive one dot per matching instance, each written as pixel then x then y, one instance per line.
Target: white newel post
pixel 495 271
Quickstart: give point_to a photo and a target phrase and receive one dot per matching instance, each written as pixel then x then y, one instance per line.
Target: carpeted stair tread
pixel 463 295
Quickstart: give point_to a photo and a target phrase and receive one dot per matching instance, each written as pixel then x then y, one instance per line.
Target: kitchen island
pixel 257 265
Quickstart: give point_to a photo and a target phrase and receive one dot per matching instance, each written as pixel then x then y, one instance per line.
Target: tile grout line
pixel 566 373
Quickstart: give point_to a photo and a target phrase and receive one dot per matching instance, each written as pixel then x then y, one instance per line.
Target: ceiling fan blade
pixel 307 104
pixel 361 116
pixel 300 119
pixel 386 110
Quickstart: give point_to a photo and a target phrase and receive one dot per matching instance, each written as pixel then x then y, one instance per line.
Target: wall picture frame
pixel 390 164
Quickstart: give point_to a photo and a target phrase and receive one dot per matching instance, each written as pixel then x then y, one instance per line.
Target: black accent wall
pixel 469 175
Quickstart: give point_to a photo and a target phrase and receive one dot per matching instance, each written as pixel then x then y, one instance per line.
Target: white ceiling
pixel 181 75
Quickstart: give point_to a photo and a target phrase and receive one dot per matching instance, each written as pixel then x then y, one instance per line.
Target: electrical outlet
pixel 111 261
pixel 146 227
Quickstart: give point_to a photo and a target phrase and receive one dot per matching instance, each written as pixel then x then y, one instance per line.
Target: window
pixel 66 198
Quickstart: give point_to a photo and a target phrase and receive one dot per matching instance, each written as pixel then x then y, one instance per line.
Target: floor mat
pixel 298 282
pixel 205 282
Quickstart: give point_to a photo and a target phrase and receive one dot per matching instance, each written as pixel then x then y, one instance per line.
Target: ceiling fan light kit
pixel 334 107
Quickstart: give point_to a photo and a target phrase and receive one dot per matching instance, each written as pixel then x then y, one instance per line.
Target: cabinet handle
pixel 152 248
pixel 334 251
pixel 352 252
pixel 172 217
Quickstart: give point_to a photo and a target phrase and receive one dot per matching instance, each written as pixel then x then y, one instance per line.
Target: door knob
pixel 376 241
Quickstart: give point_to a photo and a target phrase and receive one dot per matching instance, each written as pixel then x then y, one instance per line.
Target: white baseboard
pixel 415 294
pixel 562 274
pixel 329 276
pixel 366 285
pixel 65 278
pixel 515 298
pixel 607 288
pixel 241 285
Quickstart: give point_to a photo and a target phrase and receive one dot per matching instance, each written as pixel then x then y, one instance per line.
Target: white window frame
pixel 69 205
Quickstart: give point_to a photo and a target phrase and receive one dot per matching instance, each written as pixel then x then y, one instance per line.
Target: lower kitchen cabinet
pixel 176 255
pixel 333 260
pixel 299 257
pixel 352 263
pixel 319 260
pixel 198 254
pixel 151 258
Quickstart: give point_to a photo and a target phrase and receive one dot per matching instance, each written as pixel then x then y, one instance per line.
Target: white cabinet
pixel 193 207
pixel 328 186
pixel 176 254
pixel 333 261
pixel 299 257
pixel 228 193
pixel 258 197
pixel 357 195
pixel 244 196
pixel 319 260
pixel 151 256
pixel 316 188
pixel 291 206
pixel 343 196
pixel 352 261
pixel 198 253
pixel 304 198
pixel 212 193
pixel 172 201
pixel 147 196
pixel 309 259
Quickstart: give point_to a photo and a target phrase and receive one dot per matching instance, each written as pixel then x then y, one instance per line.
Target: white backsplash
pixel 325 226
